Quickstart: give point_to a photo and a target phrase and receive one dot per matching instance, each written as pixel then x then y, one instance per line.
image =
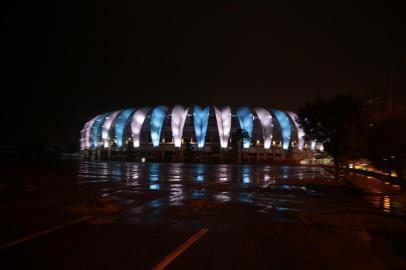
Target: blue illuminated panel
pixel 157 120
pixel 201 120
pixel 121 123
pixel 96 129
pixel 286 127
pixel 246 122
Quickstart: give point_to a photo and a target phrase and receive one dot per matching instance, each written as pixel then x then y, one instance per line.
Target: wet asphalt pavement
pixel 117 215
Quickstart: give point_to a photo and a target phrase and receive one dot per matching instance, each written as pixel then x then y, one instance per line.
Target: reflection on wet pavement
pixel 269 188
pixel 258 217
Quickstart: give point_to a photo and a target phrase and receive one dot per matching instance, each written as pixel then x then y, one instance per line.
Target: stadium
pixel 196 134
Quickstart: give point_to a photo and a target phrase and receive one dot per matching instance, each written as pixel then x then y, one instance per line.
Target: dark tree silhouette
pixel 240 135
pixel 188 152
pixel 337 123
pixel 238 140
pixel 386 141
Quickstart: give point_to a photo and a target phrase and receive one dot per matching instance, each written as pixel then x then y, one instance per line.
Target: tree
pixel 386 140
pixel 238 139
pixel 188 154
pixel 337 123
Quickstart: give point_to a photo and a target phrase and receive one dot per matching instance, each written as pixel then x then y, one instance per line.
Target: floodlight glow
pixel 106 128
pixel 223 117
pixel 321 147
pixel 246 122
pixel 120 125
pixel 201 120
pixel 156 123
pixel 85 142
pixel 136 125
pixel 179 114
pixel 96 129
pixel 286 128
pixel 300 131
pixel 265 118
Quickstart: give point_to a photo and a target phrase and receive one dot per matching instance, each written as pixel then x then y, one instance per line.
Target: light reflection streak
pixel 176 194
pixel 246 175
pixel 198 193
pixel 285 172
pixel 200 171
pixel 154 176
pixel 245 198
pixel 386 204
pixel 155 204
pixel 223 197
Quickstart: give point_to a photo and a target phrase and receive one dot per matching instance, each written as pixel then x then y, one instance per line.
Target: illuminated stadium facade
pixel 196 134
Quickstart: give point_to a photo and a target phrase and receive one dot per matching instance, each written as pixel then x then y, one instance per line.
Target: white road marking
pixel 27 238
pixel 178 251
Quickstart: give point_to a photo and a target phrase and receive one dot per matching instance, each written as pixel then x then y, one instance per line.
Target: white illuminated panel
pixel 179 114
pixel 265 118
pixel 85 134
pixel 300 131
pixel 223 117
pixel 136 125
pixel 313 145
pixel 106 128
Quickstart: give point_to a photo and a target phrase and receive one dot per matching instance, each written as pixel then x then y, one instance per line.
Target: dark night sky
pixel 67 62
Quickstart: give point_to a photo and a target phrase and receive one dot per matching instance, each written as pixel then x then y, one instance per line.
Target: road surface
pixel 118 215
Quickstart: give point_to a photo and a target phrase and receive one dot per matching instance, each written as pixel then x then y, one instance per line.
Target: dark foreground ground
pixel 131 216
